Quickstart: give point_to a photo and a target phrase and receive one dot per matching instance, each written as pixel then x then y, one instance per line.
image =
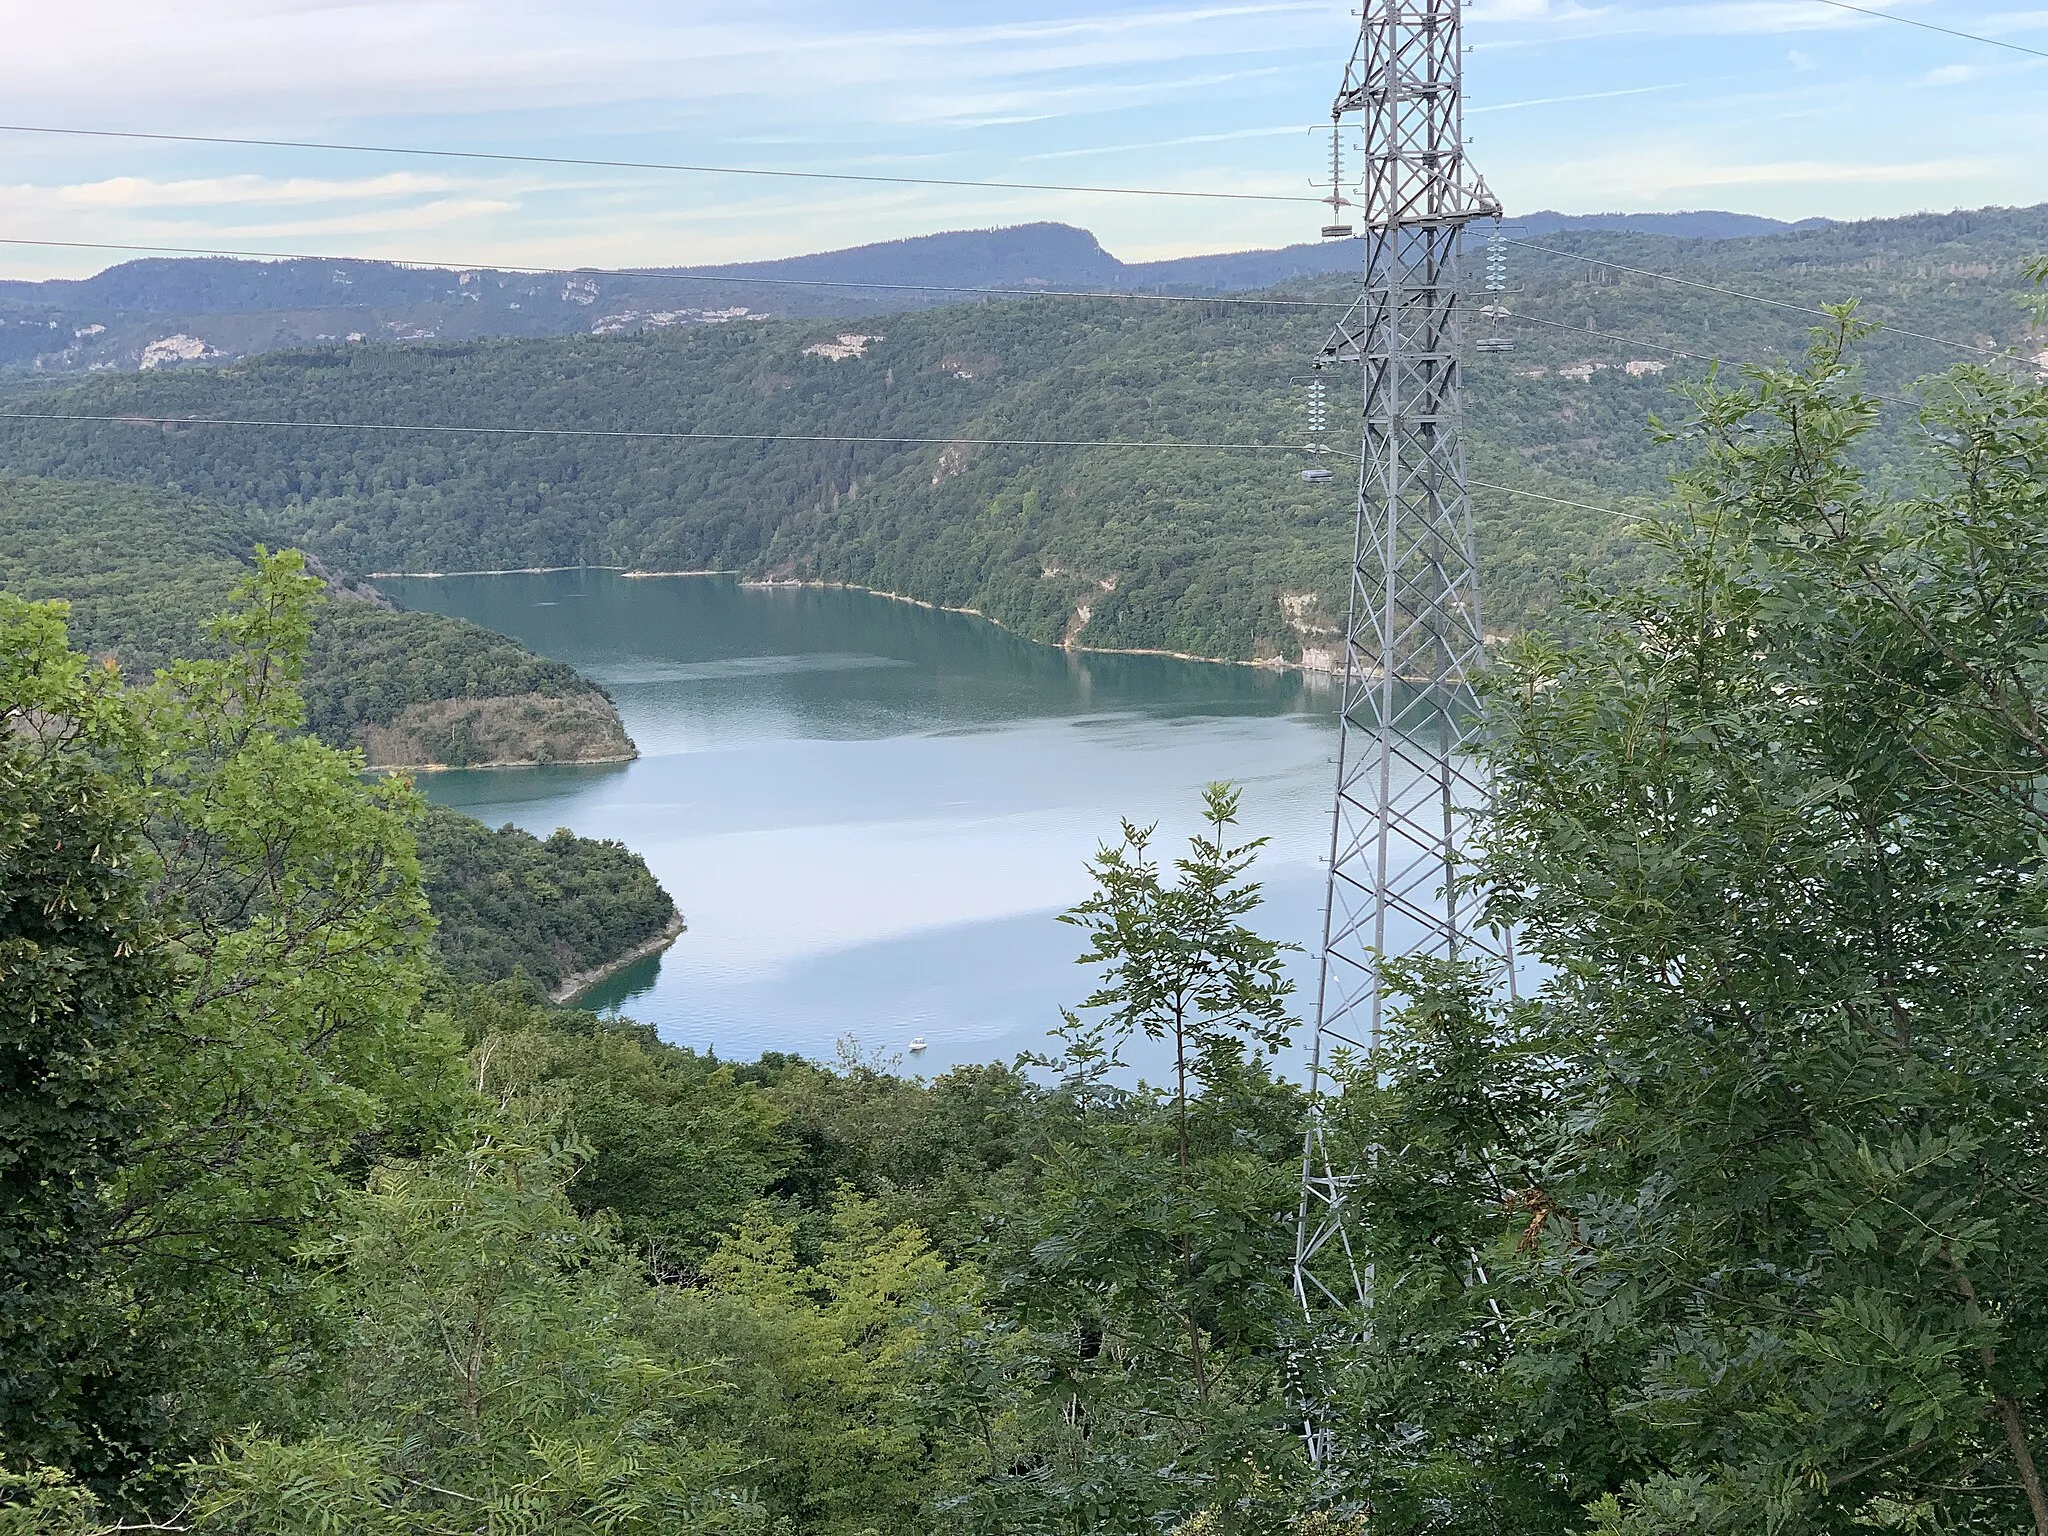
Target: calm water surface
pixel 871 813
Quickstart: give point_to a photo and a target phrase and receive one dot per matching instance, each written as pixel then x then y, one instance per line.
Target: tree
pixel 1445 1416
pixel 219 946
pixel 507 1368
pixel 828 1371
pixel 78 984
pixel 676 1149
pixel 1775 823
pixel 293 1048
pixel 1148 1276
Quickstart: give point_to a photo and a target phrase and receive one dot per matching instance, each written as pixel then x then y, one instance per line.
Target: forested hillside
pixel 552 909
pixel 1210 551
pixel 1736 1221
pixel 143 570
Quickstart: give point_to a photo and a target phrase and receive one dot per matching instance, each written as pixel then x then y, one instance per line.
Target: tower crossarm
pixel 1403 87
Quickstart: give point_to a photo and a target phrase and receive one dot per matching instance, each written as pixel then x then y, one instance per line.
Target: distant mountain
pixel 168 313
pixel 1021 256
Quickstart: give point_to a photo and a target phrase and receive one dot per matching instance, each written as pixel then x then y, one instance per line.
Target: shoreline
pixel 509 762
pixel 1271 664
pixel 771 583
pixel 514 570
pixel 630 573
pixel 574 986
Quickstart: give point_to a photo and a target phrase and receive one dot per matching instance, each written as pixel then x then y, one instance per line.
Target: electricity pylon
pixel 1413 640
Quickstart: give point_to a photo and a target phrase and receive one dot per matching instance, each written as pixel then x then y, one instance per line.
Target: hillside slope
pixel 558 910
pixel 143 570
pixel 1208 551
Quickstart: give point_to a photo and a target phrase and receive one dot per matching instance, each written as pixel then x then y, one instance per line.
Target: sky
pixel 1782 107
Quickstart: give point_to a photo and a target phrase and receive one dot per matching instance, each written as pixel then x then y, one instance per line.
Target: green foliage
pixel 368 665
pixel 675 1148
pixel 1774 823
pixel 281 1037
pixel 78 981
pixel 507 1367
pixel 143 570
pixel 507 902
pixel 1734 1225
pixel 1196 552
pixel 829 1366
pixel 1444 1418
pixel 939 1156
pixel 1147 1275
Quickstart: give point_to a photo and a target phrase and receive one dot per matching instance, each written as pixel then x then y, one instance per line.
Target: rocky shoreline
pixel 575 985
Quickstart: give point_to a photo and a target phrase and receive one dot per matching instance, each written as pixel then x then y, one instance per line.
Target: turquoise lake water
pixel 871 813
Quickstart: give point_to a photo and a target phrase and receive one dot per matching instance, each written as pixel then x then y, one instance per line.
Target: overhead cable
pixel 670 274
pixel 1509 490
pixel 1928 26
pixel 594 163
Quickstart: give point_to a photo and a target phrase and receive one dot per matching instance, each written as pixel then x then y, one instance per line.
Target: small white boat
pixel 917 1046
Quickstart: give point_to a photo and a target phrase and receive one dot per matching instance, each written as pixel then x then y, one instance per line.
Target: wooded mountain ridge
pixel 169 311
pixel 981 455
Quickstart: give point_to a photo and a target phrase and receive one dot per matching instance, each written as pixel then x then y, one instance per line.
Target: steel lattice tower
pixel 1413 637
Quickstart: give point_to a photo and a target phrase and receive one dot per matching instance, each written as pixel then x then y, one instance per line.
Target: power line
pixel 1928 26
pixel 668 274
pixel 1754 298
pixel 593 163
pixel 847 176
pixel 138 419
pixel 1509 490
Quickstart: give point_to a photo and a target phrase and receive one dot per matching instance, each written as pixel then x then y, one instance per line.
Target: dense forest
pixel 1735 1223
pixel 509 904
pixel 143 570
pixel 1220 552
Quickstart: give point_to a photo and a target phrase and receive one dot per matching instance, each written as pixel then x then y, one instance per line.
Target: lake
pixel 871 813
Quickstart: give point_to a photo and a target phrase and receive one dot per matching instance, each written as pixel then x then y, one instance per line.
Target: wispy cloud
pixel 1236 135
pixel 229 191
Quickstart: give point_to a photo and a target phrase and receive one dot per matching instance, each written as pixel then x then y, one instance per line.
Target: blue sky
pixel 1783 107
